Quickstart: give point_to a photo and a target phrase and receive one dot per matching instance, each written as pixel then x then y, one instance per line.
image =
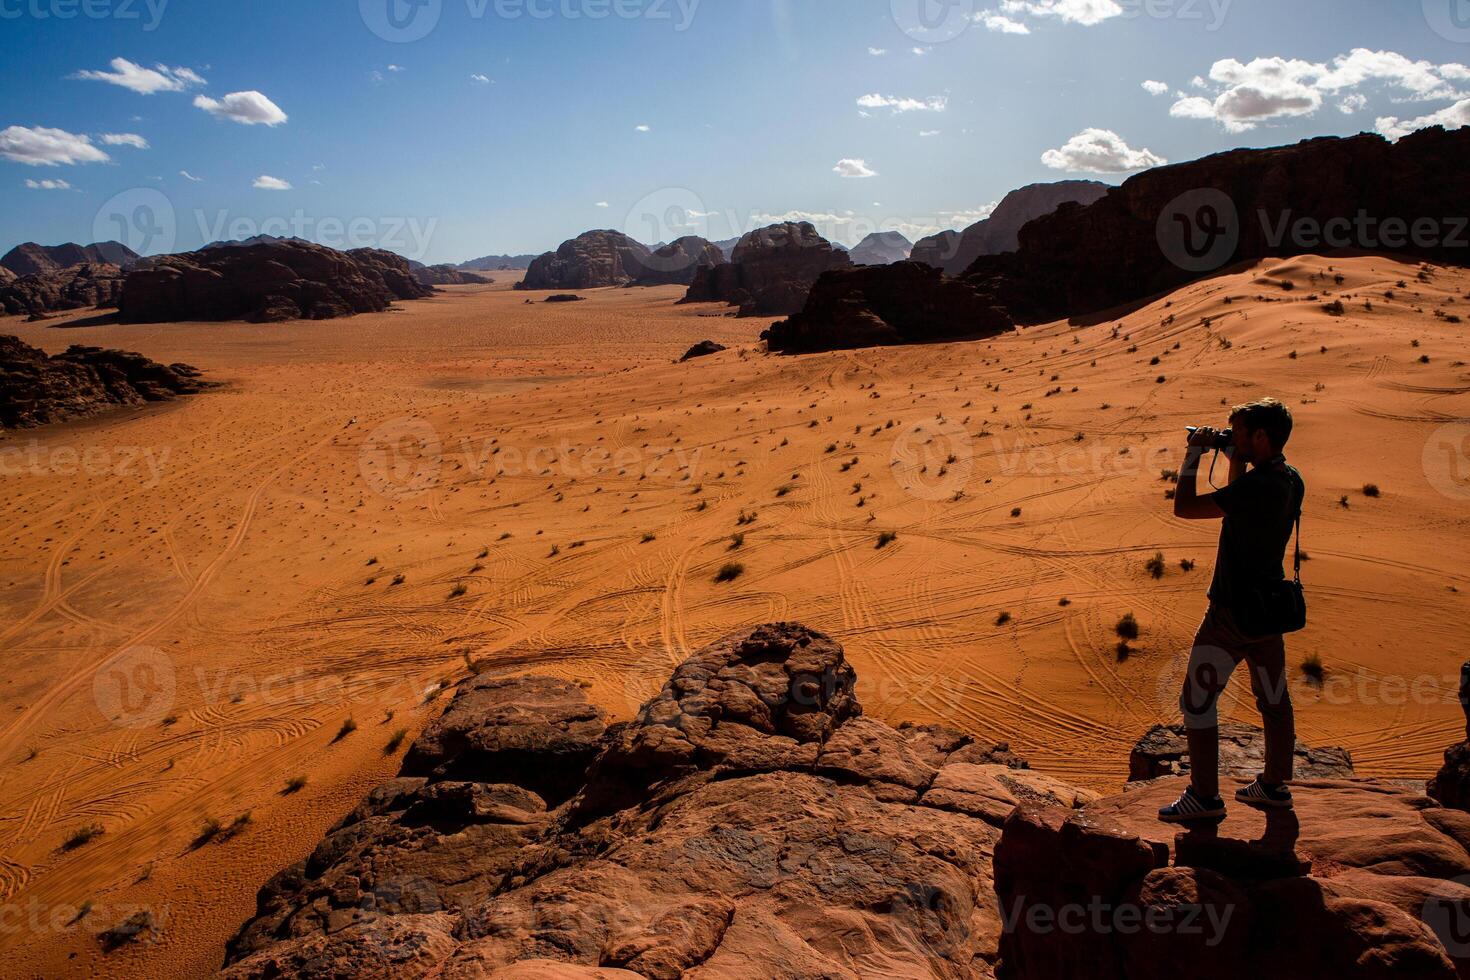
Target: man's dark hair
pixel 1267 414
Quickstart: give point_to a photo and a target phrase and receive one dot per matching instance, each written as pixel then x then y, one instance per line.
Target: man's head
pixel 1262 429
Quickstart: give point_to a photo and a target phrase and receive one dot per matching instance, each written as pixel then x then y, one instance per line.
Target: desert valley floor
pixel 196 600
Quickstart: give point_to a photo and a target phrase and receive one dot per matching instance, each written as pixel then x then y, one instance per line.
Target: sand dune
pixel 196 598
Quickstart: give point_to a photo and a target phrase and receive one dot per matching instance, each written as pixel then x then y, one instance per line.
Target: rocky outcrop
pixel 1364 879
pixel 1167 227
pixel 702 349
pixel 748 822
pixel 770 272
pixel 676 263
pixel 936 250
pixel 1451 785
pixel 36 389
pixel 954 252
pixel 591 260
pixel 267 283
pixel 881 248
pixel 905 303
pixel 74 288
pixel 492 263
pixel 31 259
pixel 445 275
pixel 1164 751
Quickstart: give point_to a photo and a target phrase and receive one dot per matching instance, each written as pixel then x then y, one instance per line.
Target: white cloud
pixel 267 183
pixel 1001 24
pixel 853 168
pixel 1085 12
pixel 480 79
pixel 928 132
pixel 603 204
pixel 145 81
pixel 643 128
pixel 1451 117
pixel 1100 151
pixel 918 50
pixel 1265 89
pixel 963 219
pixel 48 185
pixel 1155 88
pixel 43 147
pixel 125 139
pixel 877 52
pixel 245 108
pixel 188 176
pixel 936 103
pixel 395 68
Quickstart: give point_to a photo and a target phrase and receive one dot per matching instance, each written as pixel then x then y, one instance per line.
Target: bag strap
pixel 1298 547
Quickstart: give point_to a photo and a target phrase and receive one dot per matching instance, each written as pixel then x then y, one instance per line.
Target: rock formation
pixel 905 303
pixel 749 822
pixel 493 263
pixel 445 275
pixel 676 263
pixel 73 288
pixel 591 260
pixel 881 248
pixel 1164 751
pixel 31 259
pixel 770 272
pixel 702 349
pixel 1166 227
pixel 1451 785
pixel 954 252
pixel 36 389
pixel 267 283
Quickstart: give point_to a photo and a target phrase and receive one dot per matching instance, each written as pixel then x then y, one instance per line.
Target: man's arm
pixel 1188 504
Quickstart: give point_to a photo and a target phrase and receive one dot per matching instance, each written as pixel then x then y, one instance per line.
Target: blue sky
pixel 507 124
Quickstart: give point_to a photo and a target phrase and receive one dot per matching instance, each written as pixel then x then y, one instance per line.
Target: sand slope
pixel 190 620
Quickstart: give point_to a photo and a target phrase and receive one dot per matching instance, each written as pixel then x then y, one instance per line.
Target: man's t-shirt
pixel 1261 509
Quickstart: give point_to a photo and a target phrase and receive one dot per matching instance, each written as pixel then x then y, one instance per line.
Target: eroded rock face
pixel 770 272
pixel 1164 751
pixel 74 288
pixel 36 389
pixel 676 263
pixel 31 259
pixel 1080 260
pixel 881 248
pixel 749 822
pixel 591 260
pixel 446 275
pixel 1363 880
pixel 904 303
pixel 267 283
pixel 1451 785
pixel 936 250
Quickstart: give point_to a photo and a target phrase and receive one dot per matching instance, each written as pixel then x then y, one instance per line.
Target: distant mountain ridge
pixel 491 263
pixel 1000 232
pixel 881 248
pixel 31 259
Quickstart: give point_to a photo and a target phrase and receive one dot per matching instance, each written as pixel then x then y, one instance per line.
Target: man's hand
pixel 1187 502
pixel 1204 437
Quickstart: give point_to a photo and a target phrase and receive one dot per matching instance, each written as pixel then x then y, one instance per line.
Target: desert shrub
pixel 729 572
pixel 1155 565
pixel 1127 627
pixel 887 538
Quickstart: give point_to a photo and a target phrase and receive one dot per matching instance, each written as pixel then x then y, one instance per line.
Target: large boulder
pixel 770 272
pixel 881 248
pixel 904 303
pixel 748 822
pixel 591 260
pixel 1364 879
pixel 1164 751
pixel 1235 206
pixel 676 263
pixel 267 282
pixel 36 389
pixel 73 288
pixel 31 259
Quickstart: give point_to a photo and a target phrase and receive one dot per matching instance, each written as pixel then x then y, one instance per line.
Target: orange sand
pixel 230 598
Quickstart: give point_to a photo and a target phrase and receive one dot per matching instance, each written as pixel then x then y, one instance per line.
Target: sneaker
pixel 1189 808
pixel 1260 795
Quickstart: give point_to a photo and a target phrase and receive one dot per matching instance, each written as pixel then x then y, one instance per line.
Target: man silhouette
pixel 1260 505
